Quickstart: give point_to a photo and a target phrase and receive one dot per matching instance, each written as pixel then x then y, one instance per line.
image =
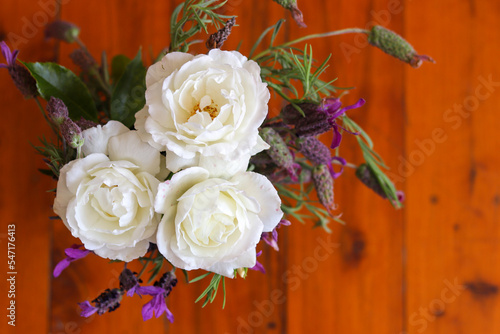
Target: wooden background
pixel 432 267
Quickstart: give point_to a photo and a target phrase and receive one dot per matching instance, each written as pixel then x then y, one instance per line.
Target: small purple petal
pixel 169 315
pixel 4 66
pixel 6 52
pixel 284 222
pixel 87 309
pixel 332 171
pixel 147 311
pixel 151 290
pixel 337 136
pixel 63 264
pixel 76 254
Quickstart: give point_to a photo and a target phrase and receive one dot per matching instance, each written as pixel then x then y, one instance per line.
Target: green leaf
pixel 128 97
pixel 55 80
pixel 118 66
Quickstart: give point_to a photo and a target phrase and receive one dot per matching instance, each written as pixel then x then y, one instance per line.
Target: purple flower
pixel 156 305
pixel 130 283
pixel 332 108
pixel 57 110
pixel 258 266
pixel 72 254
pixel 107 301
pixel 20 75
pixel 271 238
pixel 9 56
pixel 159 291
pixel 87 309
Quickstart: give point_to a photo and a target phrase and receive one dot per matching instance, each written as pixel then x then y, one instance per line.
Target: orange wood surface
pixel 431 267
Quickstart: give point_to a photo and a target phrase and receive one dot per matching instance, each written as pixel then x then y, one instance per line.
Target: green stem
pixel 313 36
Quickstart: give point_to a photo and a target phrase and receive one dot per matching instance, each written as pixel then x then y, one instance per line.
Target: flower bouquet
pixel 178 166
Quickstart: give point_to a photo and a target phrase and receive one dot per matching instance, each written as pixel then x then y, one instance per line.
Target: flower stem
pixel 313 36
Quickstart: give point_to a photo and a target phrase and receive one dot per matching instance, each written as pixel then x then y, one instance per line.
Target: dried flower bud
pixel 57 110
pixel 291 5
pixel 215 41
pixel 62 30
pixel 315 151
pixel 323 182
pixel 23 80
pixel 72 133
pixel 20 75
pixel 366 175
pixel 279 151
pixel 82 59
pixel 396 46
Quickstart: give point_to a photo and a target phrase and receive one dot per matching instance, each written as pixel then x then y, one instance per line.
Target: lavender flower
pixel 159 291
pixel 62 30
pixel 366 175
pixel 85 124
pixel 279 152
pixel 318 118
pixel 107 301
pixel 72 133
pixel 83 60
pixel 72 254
pixel 396 46
pixel 271 238
pixel 20 75
pixel 130 283
pixel 332 107
pixel 323 182
pixel 57 110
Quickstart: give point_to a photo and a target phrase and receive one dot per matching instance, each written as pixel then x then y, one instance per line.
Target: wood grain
pixel 429 268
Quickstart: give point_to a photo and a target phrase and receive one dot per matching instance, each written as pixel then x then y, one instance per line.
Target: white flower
pixel 212 223
pixel 205 110
pixel 106 199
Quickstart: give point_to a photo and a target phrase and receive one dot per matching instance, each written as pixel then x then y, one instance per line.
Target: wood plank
pixel 452 214
pixel 24 200
pixel 357 289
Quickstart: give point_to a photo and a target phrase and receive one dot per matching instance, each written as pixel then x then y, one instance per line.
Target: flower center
pixel 207 105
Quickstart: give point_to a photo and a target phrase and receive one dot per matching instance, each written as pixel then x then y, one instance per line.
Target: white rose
pixel 106 199
pixel 212 223
pixel 205 110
